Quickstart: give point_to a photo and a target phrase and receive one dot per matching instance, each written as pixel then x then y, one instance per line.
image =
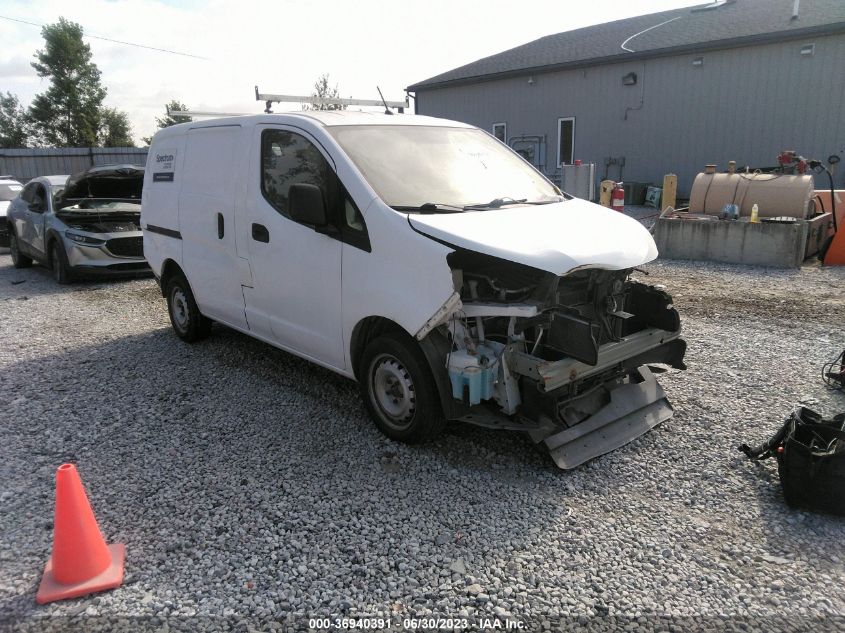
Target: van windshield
pixel 441 169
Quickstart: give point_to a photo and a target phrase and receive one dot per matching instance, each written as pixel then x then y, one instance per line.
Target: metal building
pixel 666 92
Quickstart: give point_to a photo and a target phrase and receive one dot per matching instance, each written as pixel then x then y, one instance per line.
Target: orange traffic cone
pixel 81 563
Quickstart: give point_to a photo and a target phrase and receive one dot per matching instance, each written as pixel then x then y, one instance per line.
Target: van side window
pixel 353 229
pixel 287 159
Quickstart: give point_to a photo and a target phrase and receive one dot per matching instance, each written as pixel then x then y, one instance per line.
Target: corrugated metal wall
pixel 25 164
pixel 745 104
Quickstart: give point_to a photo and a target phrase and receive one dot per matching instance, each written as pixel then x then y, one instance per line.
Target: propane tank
pixel 617 198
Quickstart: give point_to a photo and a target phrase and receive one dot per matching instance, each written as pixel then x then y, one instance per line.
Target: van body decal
pixel 163 163
pixel 152 228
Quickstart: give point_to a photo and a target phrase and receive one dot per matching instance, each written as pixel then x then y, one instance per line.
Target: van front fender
pixel 436 348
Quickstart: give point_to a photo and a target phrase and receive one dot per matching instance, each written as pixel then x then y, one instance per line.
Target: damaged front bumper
pixel 568 360
pixel 635 407
pixel 665 347
pixel 580 412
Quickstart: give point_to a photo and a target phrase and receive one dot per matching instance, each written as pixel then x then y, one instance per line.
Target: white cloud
pixel 283 46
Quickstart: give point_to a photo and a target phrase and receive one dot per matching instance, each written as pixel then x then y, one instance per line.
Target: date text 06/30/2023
pixel 415 624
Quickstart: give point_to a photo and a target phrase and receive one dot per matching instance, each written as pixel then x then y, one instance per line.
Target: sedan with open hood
pixel 82 225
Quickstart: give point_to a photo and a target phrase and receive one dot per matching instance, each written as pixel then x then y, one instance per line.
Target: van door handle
pixel 221 227
pixel 260 233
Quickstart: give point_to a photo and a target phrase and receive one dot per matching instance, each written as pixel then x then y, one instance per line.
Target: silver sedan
pixel 83 225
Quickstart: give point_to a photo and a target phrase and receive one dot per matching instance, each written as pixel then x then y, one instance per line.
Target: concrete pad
pixel 735 242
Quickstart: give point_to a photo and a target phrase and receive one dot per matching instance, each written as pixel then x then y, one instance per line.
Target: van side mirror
pixel 307 204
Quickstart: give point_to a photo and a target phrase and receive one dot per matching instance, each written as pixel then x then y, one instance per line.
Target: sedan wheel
pixel 58 260
pixel 19 260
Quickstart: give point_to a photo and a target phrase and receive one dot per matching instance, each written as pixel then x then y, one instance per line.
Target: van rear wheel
pixel 185 317
pixel 399 391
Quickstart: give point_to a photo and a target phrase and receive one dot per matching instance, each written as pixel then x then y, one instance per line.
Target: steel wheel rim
pixel 179 308
pixel 392 391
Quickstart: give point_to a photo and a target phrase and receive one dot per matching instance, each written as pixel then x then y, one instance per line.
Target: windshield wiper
pixel 497 203
pixel 431 207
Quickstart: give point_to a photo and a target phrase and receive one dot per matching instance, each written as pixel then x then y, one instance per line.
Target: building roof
pixel 720 24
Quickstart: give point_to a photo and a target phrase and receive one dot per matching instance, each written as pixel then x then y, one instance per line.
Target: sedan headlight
pixel 84 239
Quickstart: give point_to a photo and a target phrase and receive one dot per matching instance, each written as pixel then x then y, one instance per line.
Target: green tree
pixel 70 112
pixel 115 130
pixel 170 119
pixel 14 123
pixel 324 90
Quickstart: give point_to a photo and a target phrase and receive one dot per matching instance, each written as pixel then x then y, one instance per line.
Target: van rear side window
pixel 287 159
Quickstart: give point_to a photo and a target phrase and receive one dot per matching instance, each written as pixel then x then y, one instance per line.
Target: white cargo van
pixel 422 258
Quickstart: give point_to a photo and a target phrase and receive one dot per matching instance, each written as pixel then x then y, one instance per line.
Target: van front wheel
pixel 399 390
pixel 188 323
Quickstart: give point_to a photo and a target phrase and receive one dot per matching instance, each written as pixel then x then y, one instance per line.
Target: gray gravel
pixel 247 483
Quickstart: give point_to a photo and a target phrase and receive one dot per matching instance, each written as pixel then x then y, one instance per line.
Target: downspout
pixel 624 46
pixel 642 97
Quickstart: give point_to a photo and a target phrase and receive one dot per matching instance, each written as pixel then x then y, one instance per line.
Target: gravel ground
pixel 249 485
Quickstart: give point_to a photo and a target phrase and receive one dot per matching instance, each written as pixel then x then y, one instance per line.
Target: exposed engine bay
pixel 566 358
pixel 103 199
pixel 101 221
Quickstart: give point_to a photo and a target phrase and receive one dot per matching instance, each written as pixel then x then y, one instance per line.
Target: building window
pixel 565 141
pixel 500 131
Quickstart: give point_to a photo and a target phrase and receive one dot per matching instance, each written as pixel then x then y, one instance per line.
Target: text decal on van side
pixel 164 165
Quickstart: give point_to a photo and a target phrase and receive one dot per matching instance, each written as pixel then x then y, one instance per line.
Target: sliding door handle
pixel 260 233
pixel 221 226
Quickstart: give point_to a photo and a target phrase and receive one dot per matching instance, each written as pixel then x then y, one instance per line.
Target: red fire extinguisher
pixel 617 198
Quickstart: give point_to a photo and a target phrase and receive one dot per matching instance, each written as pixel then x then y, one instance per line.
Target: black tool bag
pixel 811 460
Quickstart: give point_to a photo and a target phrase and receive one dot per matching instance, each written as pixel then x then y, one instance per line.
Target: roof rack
pixel 197 113
pixel 270 99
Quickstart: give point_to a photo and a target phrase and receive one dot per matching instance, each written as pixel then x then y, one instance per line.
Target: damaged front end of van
pixel 559 340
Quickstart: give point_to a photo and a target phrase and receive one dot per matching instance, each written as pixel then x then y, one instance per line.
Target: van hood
pixel 557 237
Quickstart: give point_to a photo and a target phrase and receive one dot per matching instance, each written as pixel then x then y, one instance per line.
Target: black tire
pixel 59 263
pixel 399 391
pixel 185 317
pixel 19 260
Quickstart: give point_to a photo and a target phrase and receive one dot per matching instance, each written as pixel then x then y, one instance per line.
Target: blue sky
pixel 284 45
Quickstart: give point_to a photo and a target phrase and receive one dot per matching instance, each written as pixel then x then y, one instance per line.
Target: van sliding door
pixel 207 222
